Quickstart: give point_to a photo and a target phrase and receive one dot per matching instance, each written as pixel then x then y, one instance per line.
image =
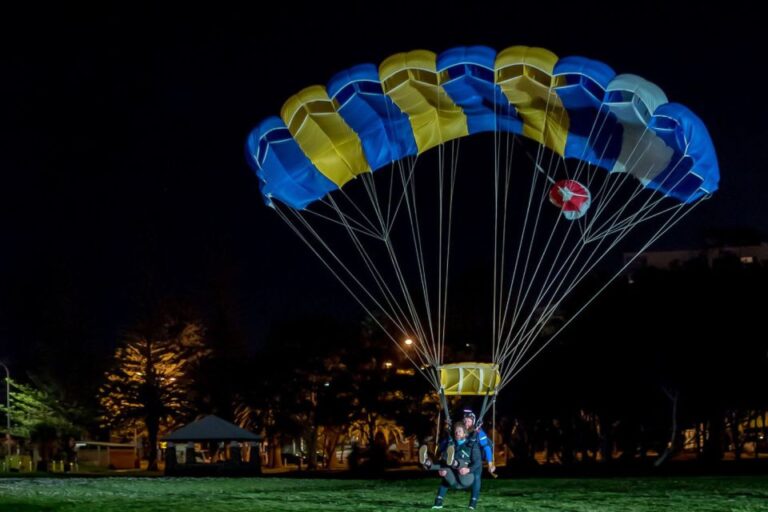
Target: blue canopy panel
pixel 467 75
pixel 594 133
pixel 384 130
pixel 693 170
pixel 284 171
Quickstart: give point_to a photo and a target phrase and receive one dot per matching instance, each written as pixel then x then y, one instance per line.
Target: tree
pixel 389 400
pixel 151 378
pixel 38 412
pixel 271 404
pixel 298 385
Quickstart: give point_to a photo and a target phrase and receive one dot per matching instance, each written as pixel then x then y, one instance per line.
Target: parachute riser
pixel 446 410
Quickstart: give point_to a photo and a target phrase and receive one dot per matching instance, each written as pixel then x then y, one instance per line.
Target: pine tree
pixel 149 384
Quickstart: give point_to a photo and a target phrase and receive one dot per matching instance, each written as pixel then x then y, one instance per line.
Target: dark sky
pixel 123 131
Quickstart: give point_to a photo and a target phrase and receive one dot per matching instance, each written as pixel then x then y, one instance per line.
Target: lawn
pixel 121 494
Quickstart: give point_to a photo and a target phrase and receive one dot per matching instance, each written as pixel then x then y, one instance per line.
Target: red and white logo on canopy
pixel 571 197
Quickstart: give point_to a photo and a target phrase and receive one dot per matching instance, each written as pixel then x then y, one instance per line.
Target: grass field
pixel 702 494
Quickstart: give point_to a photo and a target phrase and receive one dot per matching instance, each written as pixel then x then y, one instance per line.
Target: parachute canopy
pixel 368 117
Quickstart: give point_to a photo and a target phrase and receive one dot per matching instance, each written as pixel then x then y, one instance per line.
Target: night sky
pixel 123 132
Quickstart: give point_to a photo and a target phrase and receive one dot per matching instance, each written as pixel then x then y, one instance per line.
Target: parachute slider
pixel 469 379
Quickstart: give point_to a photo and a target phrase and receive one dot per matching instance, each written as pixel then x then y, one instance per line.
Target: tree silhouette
pixel 149 383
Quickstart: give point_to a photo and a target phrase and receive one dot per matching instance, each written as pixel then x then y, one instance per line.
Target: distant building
pixel 746 254
pixel 107 455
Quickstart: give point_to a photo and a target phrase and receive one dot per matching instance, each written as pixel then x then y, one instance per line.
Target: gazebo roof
pixel 211 428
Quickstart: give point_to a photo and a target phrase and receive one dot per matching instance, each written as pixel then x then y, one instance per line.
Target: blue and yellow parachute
pixel 368 117
pixel 657 162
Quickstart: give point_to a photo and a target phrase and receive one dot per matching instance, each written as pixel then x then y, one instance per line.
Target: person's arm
pixel 485 444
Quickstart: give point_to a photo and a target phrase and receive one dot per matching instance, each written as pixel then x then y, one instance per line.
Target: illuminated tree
pixel 149 384
pixel 38 412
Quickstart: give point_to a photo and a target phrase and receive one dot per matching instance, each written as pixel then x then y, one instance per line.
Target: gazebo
pixel 230 457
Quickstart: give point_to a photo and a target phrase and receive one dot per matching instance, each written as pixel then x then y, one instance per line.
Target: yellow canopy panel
pixel 412 82
pixel 525 76
pixel 469 378
pixel 323 135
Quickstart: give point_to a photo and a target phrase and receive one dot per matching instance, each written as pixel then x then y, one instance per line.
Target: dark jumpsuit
pixel 485 444
pixel 468 455
pixel 480 439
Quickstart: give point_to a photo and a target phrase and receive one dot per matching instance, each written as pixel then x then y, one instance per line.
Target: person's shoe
pixel 472 504
pixel 438 503
pixel 424 457
pixel 449 453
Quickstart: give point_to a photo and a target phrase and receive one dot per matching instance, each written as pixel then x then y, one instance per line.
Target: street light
pixel 408 342
pixel 7 407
